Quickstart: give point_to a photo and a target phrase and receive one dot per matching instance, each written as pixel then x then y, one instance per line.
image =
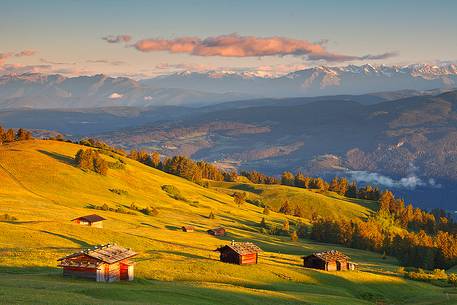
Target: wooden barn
pixel 92 220
pixel 329 260
pixel 188 229
pixel 240 253
pixel 104 263
pixel 219 231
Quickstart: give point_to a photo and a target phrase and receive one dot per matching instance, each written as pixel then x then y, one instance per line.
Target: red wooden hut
pixel 240 253
pixel 104 263
pixel 188 229
pixel 329 260
pixel 92 220
pixel 219 231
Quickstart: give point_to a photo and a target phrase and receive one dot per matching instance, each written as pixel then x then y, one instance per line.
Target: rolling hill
pixel 43 190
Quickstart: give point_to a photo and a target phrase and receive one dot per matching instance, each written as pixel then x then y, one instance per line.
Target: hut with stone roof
pixel 329 260
pixel 240 253
pixel 104 263
pixel 92 220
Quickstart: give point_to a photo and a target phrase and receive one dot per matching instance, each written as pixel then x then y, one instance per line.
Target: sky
pixel 143 39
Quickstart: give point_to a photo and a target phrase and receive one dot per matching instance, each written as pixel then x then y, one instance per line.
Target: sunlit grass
pixel 44 191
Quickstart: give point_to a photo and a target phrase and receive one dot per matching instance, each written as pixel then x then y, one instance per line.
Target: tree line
pixel 7 136
pixel 417 238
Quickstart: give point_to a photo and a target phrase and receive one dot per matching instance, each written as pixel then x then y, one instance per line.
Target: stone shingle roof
pixel 109 253
pixel 90 218
pixel 331 255
pixel 241 248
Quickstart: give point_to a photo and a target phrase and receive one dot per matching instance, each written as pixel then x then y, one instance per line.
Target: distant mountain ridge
pixel 316 81
pixel 42 91
pixel 34 90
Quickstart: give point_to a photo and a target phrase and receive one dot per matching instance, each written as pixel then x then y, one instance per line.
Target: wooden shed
pixel 92 220
pixel 104 263
pixel 188 229
pixel 329 260
pixel 219 231
pixel 240 253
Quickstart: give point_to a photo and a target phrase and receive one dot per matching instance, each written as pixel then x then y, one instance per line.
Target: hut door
pixel 338 265
pixel 124 272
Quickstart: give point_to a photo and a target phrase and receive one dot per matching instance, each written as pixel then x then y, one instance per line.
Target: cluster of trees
pixel 183 167
pixel 414 236
pixel 7 136
pixel 91 160
pixel 259 178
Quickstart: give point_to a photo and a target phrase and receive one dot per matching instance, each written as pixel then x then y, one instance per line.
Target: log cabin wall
pixel 87 273
pixel 97 224
pixel 249 258
pixel 112 272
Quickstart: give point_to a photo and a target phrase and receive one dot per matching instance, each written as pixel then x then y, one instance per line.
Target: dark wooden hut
pixel 188 229
pixel 240 253
pixel 92 220
pixel 328 260
pixel 219 231
pixel 104 263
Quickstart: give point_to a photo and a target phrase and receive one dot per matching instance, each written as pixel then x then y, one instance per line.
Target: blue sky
pixel 67 34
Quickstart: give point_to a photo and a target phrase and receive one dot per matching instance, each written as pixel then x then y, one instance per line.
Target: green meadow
pixel 41 187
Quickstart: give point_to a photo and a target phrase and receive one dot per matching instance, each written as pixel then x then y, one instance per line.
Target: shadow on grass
pixel 59 157
pixel 247 188
pixel 81 243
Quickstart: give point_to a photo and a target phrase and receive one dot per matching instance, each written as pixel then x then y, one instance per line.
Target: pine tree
pixel 285 226
pixel 211 215
pixel 287 178
pixel 285 208
pixel 263 223
pixel 239 198
pixel 293 236
pixel 8 136
pixel 2 134
pixel 266 211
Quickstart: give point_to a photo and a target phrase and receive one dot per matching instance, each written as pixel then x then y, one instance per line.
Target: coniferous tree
pixel 287 178
pixel 8 136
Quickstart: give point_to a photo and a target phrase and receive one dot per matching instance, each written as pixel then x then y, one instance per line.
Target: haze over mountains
pixel 197 89
pixel 405 138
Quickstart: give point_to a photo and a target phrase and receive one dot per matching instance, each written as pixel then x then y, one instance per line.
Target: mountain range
pixel 214 87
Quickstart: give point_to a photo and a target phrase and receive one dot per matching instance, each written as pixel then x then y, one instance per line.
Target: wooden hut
pixel 240 253
pixel 219 231
pixel 92 220
pixel 329 260
pixel 188 229
pixel 104 263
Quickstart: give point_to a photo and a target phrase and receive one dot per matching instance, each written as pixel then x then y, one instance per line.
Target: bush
pixel 151 211
pixel 293 236
pixel 174 192
pixel 7 217
pixel 105 207
pixel 119 191
pixel 452 279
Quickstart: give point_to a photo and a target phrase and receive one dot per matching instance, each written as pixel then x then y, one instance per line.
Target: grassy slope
pixel 324 204
pixel 40 186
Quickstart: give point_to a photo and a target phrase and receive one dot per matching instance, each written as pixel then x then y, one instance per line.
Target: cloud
pixel 411 181
pixel 25 53
pixel 57 63
pixel 104 61
pixel 5 56
pixel 117 38
pixel 148 98
pixel 115 96
pixel 234 45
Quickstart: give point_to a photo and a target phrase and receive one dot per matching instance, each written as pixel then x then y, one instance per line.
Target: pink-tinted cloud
pixel 5 56
pixel 117 38
pixel 25 53
pixel 233 45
